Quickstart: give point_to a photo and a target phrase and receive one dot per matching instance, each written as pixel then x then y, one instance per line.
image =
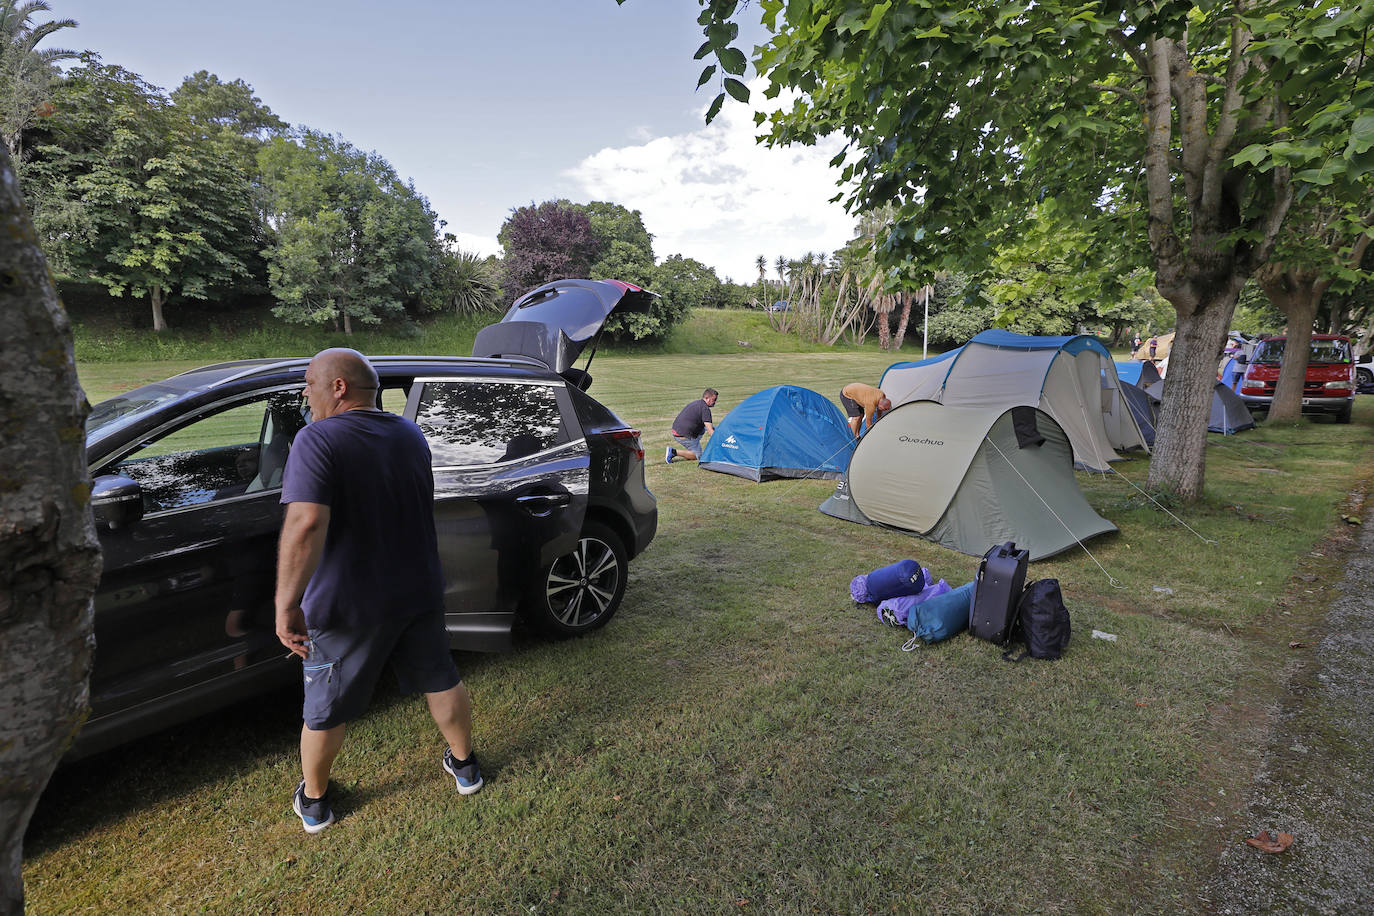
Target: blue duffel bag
pixel 942 616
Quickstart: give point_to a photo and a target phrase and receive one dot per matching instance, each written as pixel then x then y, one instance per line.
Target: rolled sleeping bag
pixel 905 577
pixel 894 611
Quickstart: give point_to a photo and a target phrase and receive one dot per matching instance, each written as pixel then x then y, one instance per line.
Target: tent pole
pixel 925 323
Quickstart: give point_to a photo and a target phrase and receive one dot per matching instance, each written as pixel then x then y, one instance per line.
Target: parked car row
pixel 540 503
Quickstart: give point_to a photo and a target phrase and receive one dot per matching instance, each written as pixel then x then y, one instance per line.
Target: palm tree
pixel 26 73
pixel 762 264
pixel 469 282
pixel 781 266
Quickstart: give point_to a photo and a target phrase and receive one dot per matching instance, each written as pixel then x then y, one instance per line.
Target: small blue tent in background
pixel 785 431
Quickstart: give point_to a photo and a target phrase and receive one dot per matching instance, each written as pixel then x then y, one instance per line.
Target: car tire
pixel 581 590
pixel 1364 380
pixel 1344 415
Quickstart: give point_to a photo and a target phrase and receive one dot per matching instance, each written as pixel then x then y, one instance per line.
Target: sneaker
pixel 464 772
pixel 669 455
pixel 315 813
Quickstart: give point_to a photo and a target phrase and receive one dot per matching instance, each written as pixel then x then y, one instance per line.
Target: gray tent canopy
pixel 1073 379
pixel 968 478
pixel 1229 414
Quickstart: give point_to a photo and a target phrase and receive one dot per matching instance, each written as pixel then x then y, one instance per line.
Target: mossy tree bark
pixel 49 556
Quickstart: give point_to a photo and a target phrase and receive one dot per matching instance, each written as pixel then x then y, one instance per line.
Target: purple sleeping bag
pixel 896 611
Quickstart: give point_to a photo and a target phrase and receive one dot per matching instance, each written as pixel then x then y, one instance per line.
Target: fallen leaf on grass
pixel 1297 645
pixel 1265 843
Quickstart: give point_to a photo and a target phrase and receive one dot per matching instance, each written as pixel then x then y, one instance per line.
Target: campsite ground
pixel 1314 780
pixel 742 737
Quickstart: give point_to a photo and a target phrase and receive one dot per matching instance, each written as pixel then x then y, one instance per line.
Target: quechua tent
pixel 785 431
pixel 1073 379
pixel 968 478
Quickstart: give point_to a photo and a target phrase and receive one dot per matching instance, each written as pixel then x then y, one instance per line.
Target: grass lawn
pixel 743 738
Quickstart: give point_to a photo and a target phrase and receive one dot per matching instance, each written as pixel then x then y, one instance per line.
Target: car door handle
pixel 542 504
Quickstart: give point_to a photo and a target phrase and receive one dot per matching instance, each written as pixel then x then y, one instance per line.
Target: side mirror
pixel 116 500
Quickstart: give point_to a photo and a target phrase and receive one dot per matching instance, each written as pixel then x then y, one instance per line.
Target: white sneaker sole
pixel 462 789
pixel 309 828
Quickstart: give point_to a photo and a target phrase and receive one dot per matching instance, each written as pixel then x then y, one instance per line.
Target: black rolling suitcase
pixel 1001 577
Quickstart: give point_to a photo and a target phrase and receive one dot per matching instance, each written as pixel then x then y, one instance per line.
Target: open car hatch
pixel 554 322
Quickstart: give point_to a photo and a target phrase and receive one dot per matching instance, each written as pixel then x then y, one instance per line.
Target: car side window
pixel 237 450
pixel 474 422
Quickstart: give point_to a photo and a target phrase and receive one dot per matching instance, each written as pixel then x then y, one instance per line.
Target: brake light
pixel 628 439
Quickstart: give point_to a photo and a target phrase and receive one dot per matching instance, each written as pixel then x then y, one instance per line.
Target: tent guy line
pixel 1209 541
pixel 1112 580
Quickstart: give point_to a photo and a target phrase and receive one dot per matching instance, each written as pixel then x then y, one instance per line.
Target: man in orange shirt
pixel 863 404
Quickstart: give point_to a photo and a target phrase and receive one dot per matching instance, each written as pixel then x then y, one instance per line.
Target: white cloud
pixel 477 244
pixel 719 197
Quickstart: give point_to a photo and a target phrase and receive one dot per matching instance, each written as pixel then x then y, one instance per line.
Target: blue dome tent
pixel 785 431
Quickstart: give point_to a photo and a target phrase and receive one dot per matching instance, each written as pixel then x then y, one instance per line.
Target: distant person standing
pixel 691 424
pixel 1154 344
pixel 358 577
pixel 864 405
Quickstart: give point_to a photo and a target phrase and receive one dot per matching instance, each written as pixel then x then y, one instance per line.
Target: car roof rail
pixel 265 366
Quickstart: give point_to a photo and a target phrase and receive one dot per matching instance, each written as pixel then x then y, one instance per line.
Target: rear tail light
pixel 628 439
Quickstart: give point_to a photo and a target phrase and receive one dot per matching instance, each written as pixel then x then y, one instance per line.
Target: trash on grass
pixel 1164 590
pixel 1265 843
pixel 1109 637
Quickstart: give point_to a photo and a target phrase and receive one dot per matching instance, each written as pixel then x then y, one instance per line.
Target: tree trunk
pixel 902 321
pixel 1178 464
pixel 348 324
pixel 155 296
pixel 1297 294
pixel 884 332
pixel 49 557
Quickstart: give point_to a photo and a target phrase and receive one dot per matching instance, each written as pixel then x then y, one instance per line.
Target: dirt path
pixel 1317 776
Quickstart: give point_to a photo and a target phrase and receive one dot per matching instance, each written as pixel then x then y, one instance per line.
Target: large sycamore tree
pixel 49 559
pixel 1178 130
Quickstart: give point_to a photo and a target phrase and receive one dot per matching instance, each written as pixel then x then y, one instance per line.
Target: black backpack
pixel 1042 621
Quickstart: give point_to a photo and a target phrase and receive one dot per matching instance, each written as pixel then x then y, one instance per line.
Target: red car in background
pixel 1329 389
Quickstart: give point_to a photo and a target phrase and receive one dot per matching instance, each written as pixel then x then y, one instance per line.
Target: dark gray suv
pixel 540 503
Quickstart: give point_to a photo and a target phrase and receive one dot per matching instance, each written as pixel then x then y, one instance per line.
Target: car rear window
pixel 478 421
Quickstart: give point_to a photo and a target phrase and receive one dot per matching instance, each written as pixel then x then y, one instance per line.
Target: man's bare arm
pixel 302 541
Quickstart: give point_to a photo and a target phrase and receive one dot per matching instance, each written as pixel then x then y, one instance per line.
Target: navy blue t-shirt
pixel 691 422
pixel 381 555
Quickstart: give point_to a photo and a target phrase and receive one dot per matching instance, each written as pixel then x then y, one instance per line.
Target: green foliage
pixel 1054 278
pixel 353 243
pixel 229 114
pixel 683 285
pixel 156 214
pixel 1255 314
pixel 958 310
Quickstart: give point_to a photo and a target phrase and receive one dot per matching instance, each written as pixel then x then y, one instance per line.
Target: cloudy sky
pixel 494 104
